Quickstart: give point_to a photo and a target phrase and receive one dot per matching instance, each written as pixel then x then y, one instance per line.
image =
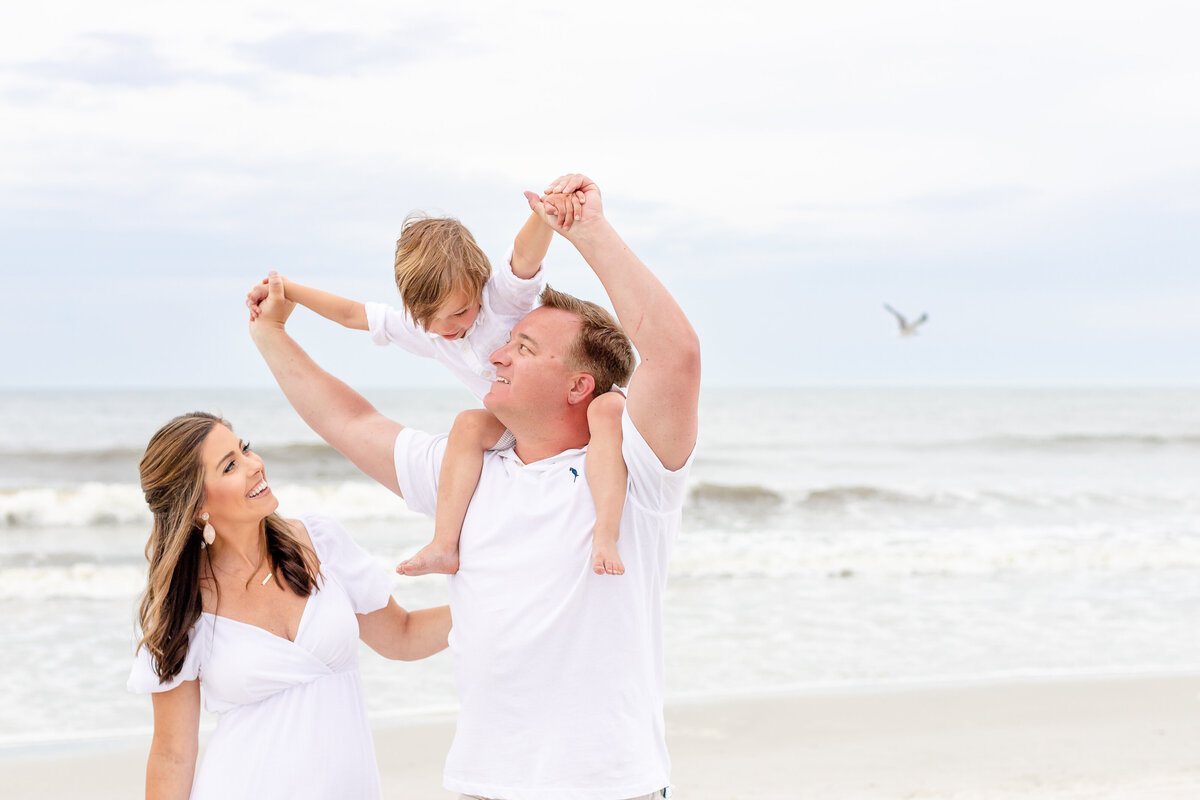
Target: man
pixel 559 670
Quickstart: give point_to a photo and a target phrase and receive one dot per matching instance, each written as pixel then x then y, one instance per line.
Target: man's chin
pixel 495 404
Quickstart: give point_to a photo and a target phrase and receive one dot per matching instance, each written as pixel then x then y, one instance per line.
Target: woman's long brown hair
pixel 172 473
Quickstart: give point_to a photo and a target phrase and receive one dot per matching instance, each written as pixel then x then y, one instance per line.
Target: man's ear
pixel 582 387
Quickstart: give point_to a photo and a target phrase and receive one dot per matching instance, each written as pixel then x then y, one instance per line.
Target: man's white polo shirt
pixel 559 670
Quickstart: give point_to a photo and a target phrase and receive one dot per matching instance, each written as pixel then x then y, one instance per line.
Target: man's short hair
pixel 436 256
pixel 601 349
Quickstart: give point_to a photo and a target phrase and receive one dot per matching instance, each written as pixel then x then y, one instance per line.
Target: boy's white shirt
pixel 506 299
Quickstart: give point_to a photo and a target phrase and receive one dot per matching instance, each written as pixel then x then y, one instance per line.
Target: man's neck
pixel 532 449
pixel 549 437
pixel 544 434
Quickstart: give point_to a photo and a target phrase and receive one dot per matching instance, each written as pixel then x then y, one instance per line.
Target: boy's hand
pixel 563 209
pixel 557 210
pixel 258 294
pixel 582 187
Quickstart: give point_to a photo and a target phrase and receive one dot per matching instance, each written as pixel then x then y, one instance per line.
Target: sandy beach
pixel 1101 739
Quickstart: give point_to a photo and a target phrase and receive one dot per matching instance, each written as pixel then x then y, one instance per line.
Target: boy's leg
pixel 607 476
pixel 474 432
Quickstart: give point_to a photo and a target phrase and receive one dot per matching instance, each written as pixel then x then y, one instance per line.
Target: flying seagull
pixel 907 328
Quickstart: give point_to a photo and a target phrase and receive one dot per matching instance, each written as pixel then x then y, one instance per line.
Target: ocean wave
pixel 286 452
pixel 914 554
pixel 296 461
pixel 1073 442
pixel 714 502
pixel 292 450
pixel 81 580
pixel 111 504
pixel 91 504
pixel 838 497
pixel 709 504
pixel 734 495
pixel 756 498
pixel 899 555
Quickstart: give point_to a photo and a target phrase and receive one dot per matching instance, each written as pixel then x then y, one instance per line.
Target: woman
pixel 265 614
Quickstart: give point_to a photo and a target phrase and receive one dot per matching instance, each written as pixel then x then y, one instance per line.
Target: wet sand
pixel 1105 739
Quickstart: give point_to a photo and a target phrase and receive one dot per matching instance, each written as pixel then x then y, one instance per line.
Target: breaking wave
pixel 109 504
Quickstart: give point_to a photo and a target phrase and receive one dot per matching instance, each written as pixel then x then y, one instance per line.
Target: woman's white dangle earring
pixel 210 533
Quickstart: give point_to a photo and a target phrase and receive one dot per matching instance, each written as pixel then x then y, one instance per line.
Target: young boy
pixel 458 311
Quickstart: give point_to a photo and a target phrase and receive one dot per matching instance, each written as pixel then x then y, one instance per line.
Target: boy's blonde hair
pixel 601 349
pixel 435 256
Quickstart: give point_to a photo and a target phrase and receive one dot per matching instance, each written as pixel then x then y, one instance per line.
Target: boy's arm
pixel 530 248
pixel 348 313
pixel 337 413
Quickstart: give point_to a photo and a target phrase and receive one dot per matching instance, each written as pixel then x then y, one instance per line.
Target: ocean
pixel 831 539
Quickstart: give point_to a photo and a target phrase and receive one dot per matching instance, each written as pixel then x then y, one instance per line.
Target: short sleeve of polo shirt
pixel 388 325
pixel 418 458
pixel 651 485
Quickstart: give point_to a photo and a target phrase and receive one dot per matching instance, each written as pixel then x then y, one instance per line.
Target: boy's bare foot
pixel 431 559
pixel 605 558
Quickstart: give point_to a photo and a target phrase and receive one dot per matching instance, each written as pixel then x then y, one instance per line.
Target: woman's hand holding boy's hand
pixel 268 303
pixel 259 293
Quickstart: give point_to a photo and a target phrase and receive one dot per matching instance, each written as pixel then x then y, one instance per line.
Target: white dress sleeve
pixel 364 579
pixel 144 680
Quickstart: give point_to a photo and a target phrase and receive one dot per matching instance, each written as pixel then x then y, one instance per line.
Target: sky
pixel 1025 172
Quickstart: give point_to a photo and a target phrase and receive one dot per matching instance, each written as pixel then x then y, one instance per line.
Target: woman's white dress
pixel 292 722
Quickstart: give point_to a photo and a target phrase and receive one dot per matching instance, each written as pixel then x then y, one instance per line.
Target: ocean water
pixel 831 538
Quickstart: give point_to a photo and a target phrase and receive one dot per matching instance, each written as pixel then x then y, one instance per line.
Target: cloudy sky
pixel 1025 172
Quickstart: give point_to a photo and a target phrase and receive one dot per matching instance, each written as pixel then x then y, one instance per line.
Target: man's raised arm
pixel 664 393
pixel 338 414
